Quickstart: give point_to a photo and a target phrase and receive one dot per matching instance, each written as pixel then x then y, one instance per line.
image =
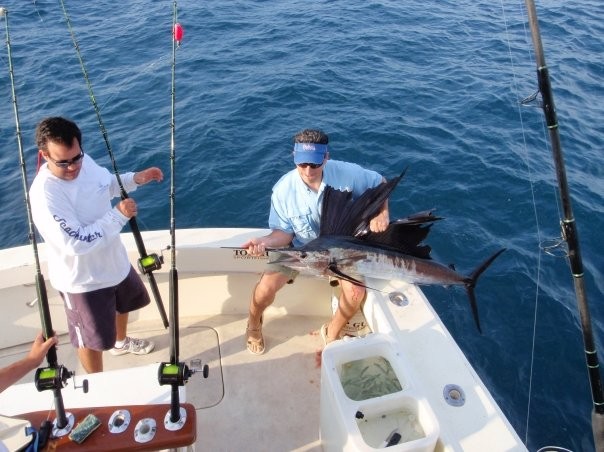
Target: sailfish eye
pixel 303 255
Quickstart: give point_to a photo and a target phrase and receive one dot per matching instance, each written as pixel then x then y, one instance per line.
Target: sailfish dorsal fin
pixel 343 216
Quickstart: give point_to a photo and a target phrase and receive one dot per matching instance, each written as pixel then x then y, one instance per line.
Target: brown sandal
pixel 255 346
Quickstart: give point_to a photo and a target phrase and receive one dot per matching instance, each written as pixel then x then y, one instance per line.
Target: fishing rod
pixel 174 373
pixel 54 376
pixel 147 262
pixel 569 231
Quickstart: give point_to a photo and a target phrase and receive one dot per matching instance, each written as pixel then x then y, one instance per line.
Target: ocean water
pixel 432 86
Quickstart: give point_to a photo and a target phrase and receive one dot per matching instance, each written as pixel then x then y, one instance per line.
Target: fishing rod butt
pixel 175 375
pixel 54 378
pixel 597 424
pixel 158 300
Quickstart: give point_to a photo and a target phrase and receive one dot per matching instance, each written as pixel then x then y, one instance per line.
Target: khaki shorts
pixel 279 268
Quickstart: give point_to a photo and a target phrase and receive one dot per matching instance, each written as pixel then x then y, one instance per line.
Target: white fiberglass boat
pixel 404 379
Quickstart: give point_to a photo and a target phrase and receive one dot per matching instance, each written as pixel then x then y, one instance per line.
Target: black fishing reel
pixel 179 373
pixel 150 263
pixel 47 378
pixel 51 378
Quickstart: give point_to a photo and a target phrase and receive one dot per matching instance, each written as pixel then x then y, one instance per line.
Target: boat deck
pixel 244 400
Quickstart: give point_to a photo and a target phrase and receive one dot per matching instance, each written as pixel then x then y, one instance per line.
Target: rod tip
pixel 2 11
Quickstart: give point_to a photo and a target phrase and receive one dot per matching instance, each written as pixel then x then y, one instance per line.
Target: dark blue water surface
pixel 429 85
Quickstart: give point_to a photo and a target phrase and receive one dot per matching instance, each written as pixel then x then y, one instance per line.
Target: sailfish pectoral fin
pixel 333 267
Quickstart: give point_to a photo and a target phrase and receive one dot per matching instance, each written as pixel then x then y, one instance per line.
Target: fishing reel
pixel 47 378
pixel 51 378
pixel 150 263
pixel 179 373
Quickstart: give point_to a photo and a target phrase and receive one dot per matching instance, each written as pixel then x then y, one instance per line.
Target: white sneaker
pixel 134 346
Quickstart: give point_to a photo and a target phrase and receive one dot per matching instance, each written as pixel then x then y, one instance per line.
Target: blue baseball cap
pixel 309 153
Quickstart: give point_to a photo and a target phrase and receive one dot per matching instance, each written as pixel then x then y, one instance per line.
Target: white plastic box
pixel 362 407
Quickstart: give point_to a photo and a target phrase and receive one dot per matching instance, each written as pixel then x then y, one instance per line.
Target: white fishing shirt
pixel 81 228
pixel 295 208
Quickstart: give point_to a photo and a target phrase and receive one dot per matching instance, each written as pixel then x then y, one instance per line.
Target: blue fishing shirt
pixel 296 209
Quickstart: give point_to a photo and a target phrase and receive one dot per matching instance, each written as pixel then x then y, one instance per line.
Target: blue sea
pixel 432 86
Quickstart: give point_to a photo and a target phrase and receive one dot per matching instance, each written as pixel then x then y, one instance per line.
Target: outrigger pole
pixel 174 373
pixel 55 375
pixel 569 231
pixel 147 262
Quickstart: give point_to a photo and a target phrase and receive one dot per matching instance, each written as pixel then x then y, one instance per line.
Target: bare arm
pixel 150 174
pixel 380 222
pixel 275 239
pixel 15 371
pixel 127 207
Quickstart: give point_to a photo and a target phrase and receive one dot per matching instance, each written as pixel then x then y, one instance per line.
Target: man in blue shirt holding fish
pixel 294 219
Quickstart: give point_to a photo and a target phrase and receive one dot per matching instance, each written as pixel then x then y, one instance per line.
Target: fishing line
pixel 569 231
pixel 568 228
pixel 527 163
pixel 42 296
pixel 58 372
pixel 121 86
pixel 174 373
pixel 177 36
pixel 147 263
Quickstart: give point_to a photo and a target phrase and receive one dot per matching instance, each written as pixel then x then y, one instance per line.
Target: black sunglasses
pixel 67 163
pixel 312 165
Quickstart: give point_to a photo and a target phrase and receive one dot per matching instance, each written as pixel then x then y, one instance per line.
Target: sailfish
pixel 347 249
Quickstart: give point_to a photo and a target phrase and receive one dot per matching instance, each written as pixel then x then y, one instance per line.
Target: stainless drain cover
pixel 454 395
pixel 119 421
pixel 145 430
pixel 398 298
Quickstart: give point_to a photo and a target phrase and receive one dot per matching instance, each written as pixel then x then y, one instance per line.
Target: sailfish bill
pixel 347 250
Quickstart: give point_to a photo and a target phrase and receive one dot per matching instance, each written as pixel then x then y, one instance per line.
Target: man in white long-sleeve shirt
pixel 88 264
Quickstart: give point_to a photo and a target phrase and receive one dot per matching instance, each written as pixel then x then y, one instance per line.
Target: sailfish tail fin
pixel 474 306
pixel 471 283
